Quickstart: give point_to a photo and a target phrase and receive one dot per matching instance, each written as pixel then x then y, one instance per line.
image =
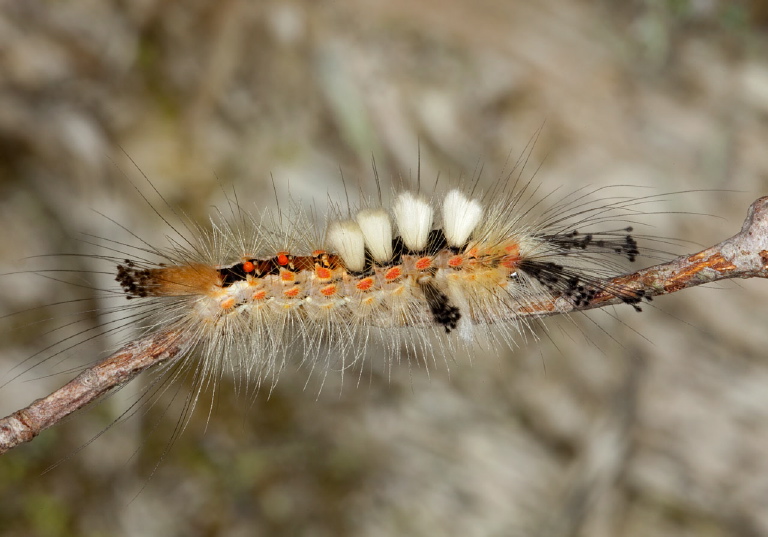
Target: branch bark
pixel 744 255
pixel 110 373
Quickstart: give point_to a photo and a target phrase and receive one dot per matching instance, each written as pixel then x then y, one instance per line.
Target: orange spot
pixel 456 261
pixel 292 292
pixel 364 284
pixel 472 252
pixel 323 273
pixel 259 295
pixel 393 273
pixel 318 253
pixel 228 303
pixel 282 259
pixel 328 290
pixel 512 249
pixel 424 263
pixel 287 275
pixel 248 267
pixel 510 261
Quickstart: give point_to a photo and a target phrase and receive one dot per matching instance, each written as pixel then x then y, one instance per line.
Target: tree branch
pixel 744 255
pixel 112 372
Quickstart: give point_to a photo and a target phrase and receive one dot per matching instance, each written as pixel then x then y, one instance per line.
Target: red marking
pixel 393 273
pixel 248 267
pixel 424 263
pixel 287 276
pixel 456 261
pixel 323 273
pixel 364 284
pixel 282 259
pixel 259 295
pixel 292 292
pixel 328 290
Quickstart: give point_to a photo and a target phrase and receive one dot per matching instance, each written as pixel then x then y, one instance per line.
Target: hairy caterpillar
pixel 460 267
pixel 459 264
pixel 419 276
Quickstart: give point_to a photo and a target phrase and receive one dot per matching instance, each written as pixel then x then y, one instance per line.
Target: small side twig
pixel 744 255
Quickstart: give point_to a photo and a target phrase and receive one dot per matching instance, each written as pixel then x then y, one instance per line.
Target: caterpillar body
pixel 421 279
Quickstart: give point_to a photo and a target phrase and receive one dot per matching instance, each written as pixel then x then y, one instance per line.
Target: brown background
pixel 658 428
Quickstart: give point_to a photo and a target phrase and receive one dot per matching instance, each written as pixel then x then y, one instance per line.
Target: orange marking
pixel 393 273
pixel 182 281
pixel 472 252
pixel 323 273
pixel 318 253
pixel 228 303
pixel 282 259
pixel 287 276
pixel 510 261
pixel 512 249
pixel 456 261
pixel 328 290
pixel 364 284
pixel 248 267
pixel 699 261
pixel 259 295
pixel 292 292
pixel 424 263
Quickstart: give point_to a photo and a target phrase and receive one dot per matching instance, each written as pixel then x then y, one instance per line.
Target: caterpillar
pixel 420 278
pixel 417 279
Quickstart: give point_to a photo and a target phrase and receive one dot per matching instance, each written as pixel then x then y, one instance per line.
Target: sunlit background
pixel 650 424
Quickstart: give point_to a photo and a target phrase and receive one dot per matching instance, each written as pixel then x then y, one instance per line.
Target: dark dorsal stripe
pixel 266 267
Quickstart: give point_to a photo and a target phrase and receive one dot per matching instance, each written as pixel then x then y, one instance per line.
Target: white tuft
pixel 347 238
pixel 460 217
pixel 414 220
pixel 377 230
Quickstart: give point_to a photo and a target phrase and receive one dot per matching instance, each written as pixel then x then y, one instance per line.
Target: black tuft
pixel 444 313
pixel 134 281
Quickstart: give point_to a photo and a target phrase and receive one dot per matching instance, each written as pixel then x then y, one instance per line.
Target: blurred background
pixel 615 423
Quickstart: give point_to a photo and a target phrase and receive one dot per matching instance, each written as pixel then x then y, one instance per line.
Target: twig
pixel 744 255
pixel 112 372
